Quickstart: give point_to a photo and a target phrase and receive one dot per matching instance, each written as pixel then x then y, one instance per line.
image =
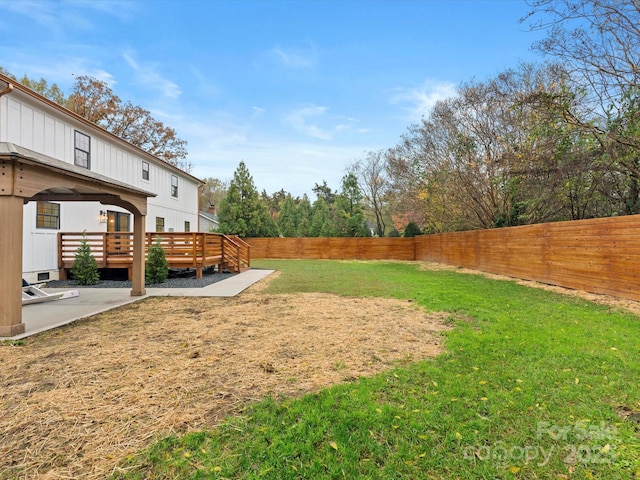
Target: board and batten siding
pixel 38 126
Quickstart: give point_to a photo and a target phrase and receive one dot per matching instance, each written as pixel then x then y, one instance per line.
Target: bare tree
pixel 373 182
pixel 212 192
pixel 497 155
pixel 598 42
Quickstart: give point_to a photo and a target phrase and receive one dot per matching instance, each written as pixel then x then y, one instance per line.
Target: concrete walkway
pixel 45 316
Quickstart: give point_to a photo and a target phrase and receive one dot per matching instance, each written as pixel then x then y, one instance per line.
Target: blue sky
pixel 298 89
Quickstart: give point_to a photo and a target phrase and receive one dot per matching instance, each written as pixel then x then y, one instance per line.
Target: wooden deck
pixel 196 250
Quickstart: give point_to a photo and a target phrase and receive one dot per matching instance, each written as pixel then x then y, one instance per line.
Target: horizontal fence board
pixel 333 248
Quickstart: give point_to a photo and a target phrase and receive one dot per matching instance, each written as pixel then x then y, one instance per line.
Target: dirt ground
pixel 76 400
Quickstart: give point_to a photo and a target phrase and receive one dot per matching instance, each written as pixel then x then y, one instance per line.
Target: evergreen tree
pixel 349 219
pixel 320 219
pixel 288 220
pixel 85 267
pixel 157 268
pixel 242 212
pixel 323 191
pixel 412 230
pixel 394 232
pixel 304 216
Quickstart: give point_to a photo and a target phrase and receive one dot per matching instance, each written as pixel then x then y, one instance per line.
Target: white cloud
pixel 59 17
pixel 257 111
pixel 299 119
pixel 61 72
pixel 419 101
pixel 42 13
pixel 307 118
pixel 101 75
pixel 148 76
pixel 207 131
pixel 294 58
pixel 294 167
pixel 124 10
pixel 205 87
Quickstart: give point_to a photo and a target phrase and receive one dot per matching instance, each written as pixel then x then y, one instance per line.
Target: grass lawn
pixel 533 385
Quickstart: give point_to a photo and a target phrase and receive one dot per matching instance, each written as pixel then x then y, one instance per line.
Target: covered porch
pixel 27 176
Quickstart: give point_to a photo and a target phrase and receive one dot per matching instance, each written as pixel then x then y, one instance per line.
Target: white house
pixel 33 122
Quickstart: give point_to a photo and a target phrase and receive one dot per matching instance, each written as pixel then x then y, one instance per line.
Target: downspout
pixel 9 89
pixel 6 91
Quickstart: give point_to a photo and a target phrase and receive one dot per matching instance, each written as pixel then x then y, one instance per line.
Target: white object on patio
pixel 35 294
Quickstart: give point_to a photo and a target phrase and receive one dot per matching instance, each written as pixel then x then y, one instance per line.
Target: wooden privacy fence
pixel 182 250
pixel 333 248
pixel 596 255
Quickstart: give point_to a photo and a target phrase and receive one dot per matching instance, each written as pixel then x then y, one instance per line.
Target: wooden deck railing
pixel 182 250
pixel 236 251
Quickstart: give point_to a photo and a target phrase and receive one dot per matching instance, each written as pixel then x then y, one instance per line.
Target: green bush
pixel 412 230
pixel 157 269
pixel 85 268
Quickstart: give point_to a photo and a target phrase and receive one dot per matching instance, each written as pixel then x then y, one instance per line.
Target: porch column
pixel 137 270
pixel 11 270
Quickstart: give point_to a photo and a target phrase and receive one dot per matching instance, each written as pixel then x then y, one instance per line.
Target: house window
pixel 145 170
pixel 82 145
pixel 174 186
pixel 187 226
pixel 159 224
pixel 48 215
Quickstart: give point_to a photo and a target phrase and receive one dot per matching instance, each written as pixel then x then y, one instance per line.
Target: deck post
pixel 105 249
pixel 137 269
pixel 11 271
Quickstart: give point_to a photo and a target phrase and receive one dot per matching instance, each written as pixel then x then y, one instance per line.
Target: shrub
pixel 157 269
pixel 85 268
pixel 412 229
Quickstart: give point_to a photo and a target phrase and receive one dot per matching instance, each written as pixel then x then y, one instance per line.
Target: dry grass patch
pixel 78 399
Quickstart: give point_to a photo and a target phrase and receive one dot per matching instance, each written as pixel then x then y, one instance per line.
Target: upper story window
pixel 48 215
pixel 82 144
pixel 174 186
pixel 145 170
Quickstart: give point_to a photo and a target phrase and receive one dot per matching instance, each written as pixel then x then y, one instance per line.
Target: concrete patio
pixel 46 316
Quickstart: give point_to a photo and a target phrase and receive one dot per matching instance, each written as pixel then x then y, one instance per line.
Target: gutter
pixel 9 89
